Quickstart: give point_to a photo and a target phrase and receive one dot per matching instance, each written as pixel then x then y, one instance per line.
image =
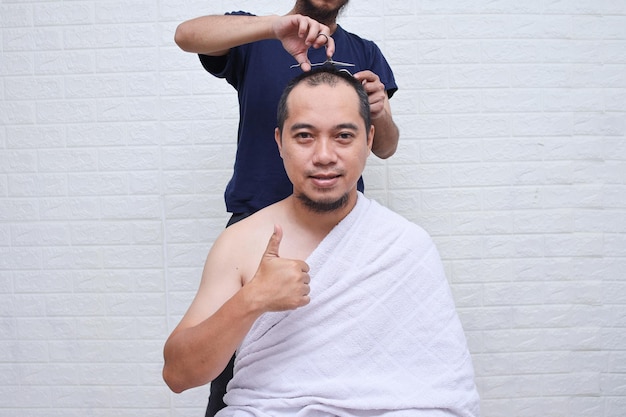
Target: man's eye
pixel 303 136
pixel 345 136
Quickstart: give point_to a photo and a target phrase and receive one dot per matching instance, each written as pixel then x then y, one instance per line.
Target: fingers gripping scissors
pixel 329 61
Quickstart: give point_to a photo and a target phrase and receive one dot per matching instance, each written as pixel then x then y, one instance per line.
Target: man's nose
pixel 324 152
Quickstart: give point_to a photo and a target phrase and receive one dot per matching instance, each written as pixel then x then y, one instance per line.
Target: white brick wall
pixel 115 148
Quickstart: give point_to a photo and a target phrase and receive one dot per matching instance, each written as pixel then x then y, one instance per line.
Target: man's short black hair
pixel 329 75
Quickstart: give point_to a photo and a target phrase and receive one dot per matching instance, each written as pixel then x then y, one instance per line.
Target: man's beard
pixel 323 206
pixel 325 16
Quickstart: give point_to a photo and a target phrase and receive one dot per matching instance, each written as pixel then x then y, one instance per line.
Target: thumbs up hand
pixel 279 283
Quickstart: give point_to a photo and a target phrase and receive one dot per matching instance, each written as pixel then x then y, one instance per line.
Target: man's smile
pixel 325 180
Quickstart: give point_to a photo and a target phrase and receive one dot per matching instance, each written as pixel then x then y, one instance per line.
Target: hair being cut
pixel 331 76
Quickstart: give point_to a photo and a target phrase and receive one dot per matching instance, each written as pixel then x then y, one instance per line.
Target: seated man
pixel 366 326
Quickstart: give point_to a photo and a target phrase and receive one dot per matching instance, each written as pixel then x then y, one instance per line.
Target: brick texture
pixel 115 148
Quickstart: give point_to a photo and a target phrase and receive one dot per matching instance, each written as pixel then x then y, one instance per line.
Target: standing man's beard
pixel 325 16
pixel 323 206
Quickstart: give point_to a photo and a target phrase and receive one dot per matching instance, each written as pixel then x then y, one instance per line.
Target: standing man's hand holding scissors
pixel 215 35
pixel 298 33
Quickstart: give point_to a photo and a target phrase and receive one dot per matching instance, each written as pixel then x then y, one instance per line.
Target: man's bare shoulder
pixel 231 262
pixel 244 242
pixel 259 225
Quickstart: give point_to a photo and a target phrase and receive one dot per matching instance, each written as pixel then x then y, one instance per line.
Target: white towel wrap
pixel 380 337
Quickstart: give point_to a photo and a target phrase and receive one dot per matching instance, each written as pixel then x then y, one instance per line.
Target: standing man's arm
pixel 386 132
pixel 216 34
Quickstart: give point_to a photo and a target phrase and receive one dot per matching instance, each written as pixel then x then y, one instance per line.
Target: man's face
pixel 321 10
pixel 326 4
pixel 324 144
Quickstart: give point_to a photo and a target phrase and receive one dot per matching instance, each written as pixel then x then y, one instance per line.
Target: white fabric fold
pixel 380 337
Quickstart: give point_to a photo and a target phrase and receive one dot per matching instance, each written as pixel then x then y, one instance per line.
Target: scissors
pixel 329 61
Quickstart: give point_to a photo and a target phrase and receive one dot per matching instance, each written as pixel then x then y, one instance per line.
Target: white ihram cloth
pixel 380 336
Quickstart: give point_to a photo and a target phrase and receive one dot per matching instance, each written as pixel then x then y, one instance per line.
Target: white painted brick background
pixel 115 147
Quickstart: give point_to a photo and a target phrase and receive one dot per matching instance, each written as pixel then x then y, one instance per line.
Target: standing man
pixel 336 305
pixel 258 55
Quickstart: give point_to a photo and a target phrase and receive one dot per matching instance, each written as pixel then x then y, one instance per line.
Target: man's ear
pixel 278 139
pixel 370 137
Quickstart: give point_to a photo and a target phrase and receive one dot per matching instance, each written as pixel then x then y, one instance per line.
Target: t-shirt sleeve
pixel 219 65
pixel 381 67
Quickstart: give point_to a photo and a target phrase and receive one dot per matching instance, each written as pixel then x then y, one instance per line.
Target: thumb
pixel 274 242
pixel 303 60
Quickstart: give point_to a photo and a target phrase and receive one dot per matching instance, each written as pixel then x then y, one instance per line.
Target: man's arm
pixel 386 132
pixel 216 34
pixel 224 310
